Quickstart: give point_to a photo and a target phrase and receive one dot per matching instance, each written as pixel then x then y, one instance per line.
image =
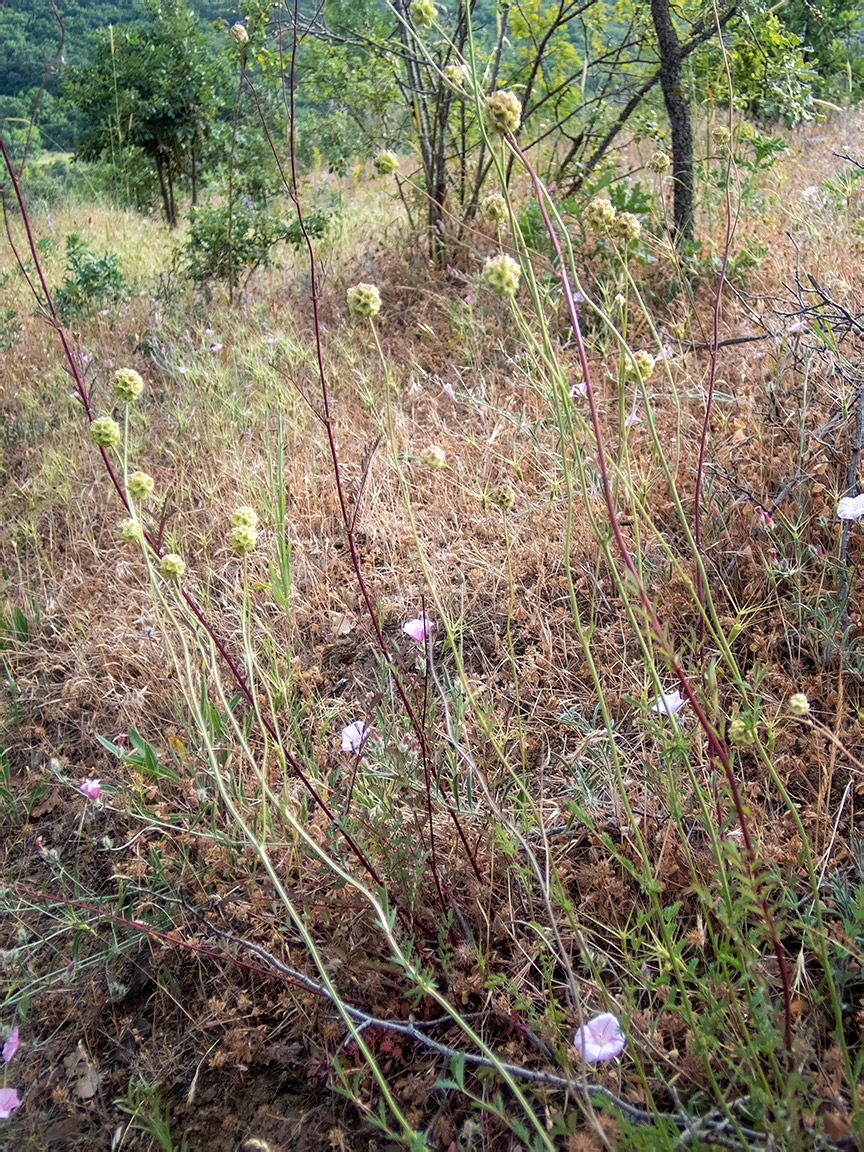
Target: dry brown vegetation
pixel 241 1054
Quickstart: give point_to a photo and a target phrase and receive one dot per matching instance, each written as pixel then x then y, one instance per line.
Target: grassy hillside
pixel 257 905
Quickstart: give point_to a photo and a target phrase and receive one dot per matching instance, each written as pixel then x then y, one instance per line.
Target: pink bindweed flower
pixel 669 703
pixel 353 736
pixel 600 1039
pixel 12 1044
pixel 8 1102
pixel 851 507
pixel 215 347
pixel 580 388
pixel 418 629
pixel 633 419
pixel 91 788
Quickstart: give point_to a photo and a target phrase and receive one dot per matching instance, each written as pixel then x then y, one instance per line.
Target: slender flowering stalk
pixel 154 541
pixel 716 747
pixel 291 185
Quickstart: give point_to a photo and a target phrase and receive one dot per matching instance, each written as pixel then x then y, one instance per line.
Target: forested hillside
pixel 30 39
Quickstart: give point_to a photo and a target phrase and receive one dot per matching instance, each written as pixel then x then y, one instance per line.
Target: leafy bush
pixel 211 252
pixel 92 282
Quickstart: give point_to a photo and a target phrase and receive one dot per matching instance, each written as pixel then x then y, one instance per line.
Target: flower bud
pixel 503 498
pixel 423 13
pixel 599 215
pixel 244 517
pixel 172 566
pixel 127 384
pixel 364 300
pixel 434 457
pixel 242 538
pixel 105 431
pixel 799 705
pixel 139 485
pixel 644 364
pixel 386 163
pixel 626 227
pixel 456 74
pixel 493 208
pixel 503 113
pixel 501 275
pixel 239 33
pixel 743 731
pixel 659 163
pixel 130 530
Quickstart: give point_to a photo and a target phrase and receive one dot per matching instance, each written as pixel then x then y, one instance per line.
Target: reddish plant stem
pixel 709 404
pixel 348 518
pixel 407 919
pixel 716 745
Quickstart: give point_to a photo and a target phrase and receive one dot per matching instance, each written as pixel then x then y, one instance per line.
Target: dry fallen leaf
pixel 78 1064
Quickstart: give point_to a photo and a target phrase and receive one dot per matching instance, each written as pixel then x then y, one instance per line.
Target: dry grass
pixel 95 661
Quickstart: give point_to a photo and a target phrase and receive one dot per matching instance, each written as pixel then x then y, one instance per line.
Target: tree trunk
pixel 678 111
pixel 163 188
pixel 172 219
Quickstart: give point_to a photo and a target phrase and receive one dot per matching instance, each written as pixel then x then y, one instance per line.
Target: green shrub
pixel 92 282
pixel 211 252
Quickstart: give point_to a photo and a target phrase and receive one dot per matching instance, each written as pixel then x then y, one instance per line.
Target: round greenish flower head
pixel 105 431
pixel 626 227
pixel 172 566
pixel 503 113
pixel 364 300
pixel 659 163
pixel 130 530
pixel 386 163
pixel 423 13
pixel 503 498
pixel 799 705
pixel 723 138
pixel 242 538
pixel 127 384
pixel 434 457
pixel 501 275
pixel 456 74
pixel 599 215
pixel 239 33
pixel 493 208
pixel 644 364
pixel 244 517
pixel 743 731
pixel 140 485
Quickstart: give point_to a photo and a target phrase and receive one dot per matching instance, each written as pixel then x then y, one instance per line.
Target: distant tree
pixel 153 85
